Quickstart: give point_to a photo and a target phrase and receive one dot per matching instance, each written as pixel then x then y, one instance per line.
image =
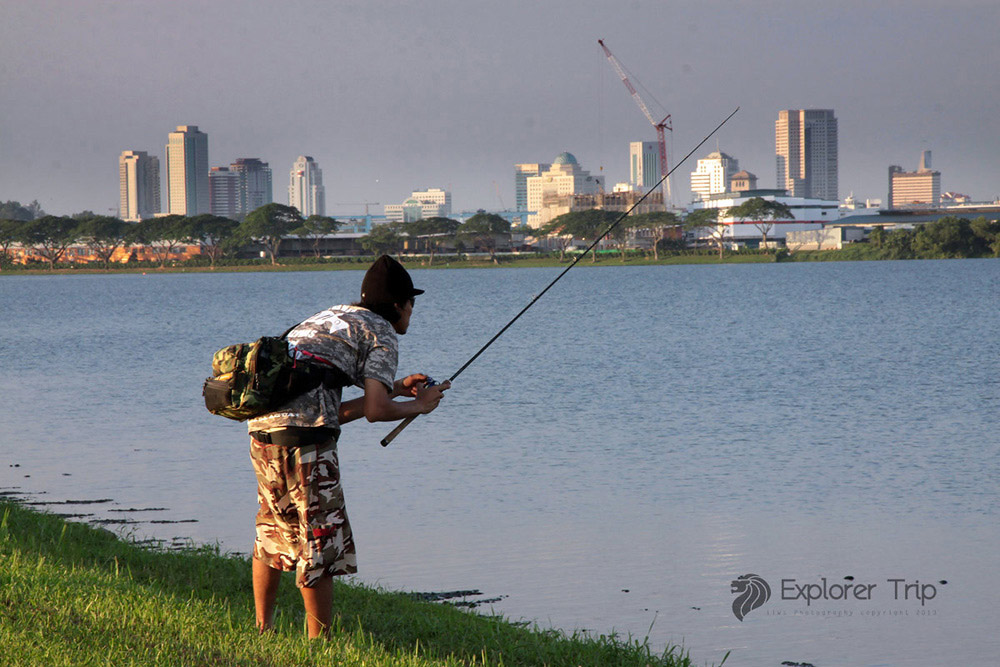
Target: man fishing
pixel 302 523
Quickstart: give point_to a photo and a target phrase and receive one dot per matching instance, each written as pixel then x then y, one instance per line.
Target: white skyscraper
pixel 521 174
pixel 713 174
pixel 139 181
pixel 305 189
pixel 187 171
pixel 644 164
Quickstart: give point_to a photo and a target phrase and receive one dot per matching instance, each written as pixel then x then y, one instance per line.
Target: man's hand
pixel 377 404
pixel 427 398
pixel 409 385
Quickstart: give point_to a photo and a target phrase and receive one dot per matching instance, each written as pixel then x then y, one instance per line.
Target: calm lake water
pixel 637 441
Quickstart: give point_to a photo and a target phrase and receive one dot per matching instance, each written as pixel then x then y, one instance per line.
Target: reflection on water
pixel 638 440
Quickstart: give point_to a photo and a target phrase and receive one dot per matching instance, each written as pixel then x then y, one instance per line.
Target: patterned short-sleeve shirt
pixel 355 340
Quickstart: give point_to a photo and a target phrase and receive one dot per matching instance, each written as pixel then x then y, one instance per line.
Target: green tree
pixel 10 233
pixel 35 209
pixel 12 210
pixel 434 232
pixel 898 244
pixel 620 234
pixel 656 222
pixel 381 240
pixel 103 235
pixel 556 227
pixel 947 237
pixel 160 236
pixel 587 225
pixel 86 214
pixel 761 213
pixel 50 236
pixel 706 220
pixel 268 225
pixel 987 233
pixel 213 233
pixel 485 230
pixel 315 227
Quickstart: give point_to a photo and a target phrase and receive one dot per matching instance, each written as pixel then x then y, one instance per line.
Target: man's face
pixel 403 323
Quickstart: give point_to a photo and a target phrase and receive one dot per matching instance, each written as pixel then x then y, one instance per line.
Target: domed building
pixel 549 192
pixel 565 158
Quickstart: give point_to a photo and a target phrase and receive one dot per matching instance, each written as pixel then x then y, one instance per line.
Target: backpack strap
pixel 313 375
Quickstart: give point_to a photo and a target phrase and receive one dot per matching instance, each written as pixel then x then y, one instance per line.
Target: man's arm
pixel 377 405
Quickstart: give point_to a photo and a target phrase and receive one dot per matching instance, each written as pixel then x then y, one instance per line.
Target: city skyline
pixel 498 91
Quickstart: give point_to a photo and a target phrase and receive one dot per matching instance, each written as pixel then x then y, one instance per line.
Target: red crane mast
pixel 661 126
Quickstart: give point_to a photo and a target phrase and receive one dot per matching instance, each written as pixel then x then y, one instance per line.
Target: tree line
pixel 948 237
pixel 482 231
pixel 50 237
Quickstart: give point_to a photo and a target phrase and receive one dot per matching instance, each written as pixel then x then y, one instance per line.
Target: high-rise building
pixel 139 182
pixel 713 175
pixel 644 164
pixel 915 188
pixel 548 192
pixel 223 189
pixel 187 171
pixel 521 174
pixel 305 189
pixel 805 143
pixel 254 185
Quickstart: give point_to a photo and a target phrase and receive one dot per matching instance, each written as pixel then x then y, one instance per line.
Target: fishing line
pixel 406 422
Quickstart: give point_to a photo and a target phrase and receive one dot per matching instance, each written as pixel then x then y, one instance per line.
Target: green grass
pixel 605 258
pixel 71 594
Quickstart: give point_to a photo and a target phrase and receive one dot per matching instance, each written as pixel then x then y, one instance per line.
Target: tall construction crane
pixel 661 126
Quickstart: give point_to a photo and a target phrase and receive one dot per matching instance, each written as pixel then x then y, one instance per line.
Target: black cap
pixel 387 282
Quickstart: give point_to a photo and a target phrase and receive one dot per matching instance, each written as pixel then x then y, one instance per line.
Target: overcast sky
pixel 392 96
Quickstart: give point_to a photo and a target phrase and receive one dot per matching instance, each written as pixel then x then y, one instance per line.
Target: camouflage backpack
pixel 252 379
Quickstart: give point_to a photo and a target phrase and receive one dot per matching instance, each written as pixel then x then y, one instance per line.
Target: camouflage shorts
pixel 302 522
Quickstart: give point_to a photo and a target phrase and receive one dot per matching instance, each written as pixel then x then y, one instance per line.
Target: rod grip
pixel 396 431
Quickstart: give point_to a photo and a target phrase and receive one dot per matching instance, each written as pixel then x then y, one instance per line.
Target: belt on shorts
pixel 294 436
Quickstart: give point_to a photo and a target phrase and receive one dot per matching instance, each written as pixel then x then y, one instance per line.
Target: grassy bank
pixel 412 262
pixel 71 594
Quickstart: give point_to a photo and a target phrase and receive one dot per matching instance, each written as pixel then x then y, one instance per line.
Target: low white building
pixel 828 238
pixel 807 215
pixel 431 203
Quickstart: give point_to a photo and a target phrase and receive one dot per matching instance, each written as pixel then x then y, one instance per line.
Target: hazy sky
pixel 392 96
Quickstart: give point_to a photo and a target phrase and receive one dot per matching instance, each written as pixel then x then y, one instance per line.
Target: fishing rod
pixel 406 422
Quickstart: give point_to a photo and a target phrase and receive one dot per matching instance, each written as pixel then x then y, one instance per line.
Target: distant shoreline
pixel 421 262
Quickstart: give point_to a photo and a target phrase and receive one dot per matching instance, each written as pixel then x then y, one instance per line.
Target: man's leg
pixel 318 601
pixel 265 593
